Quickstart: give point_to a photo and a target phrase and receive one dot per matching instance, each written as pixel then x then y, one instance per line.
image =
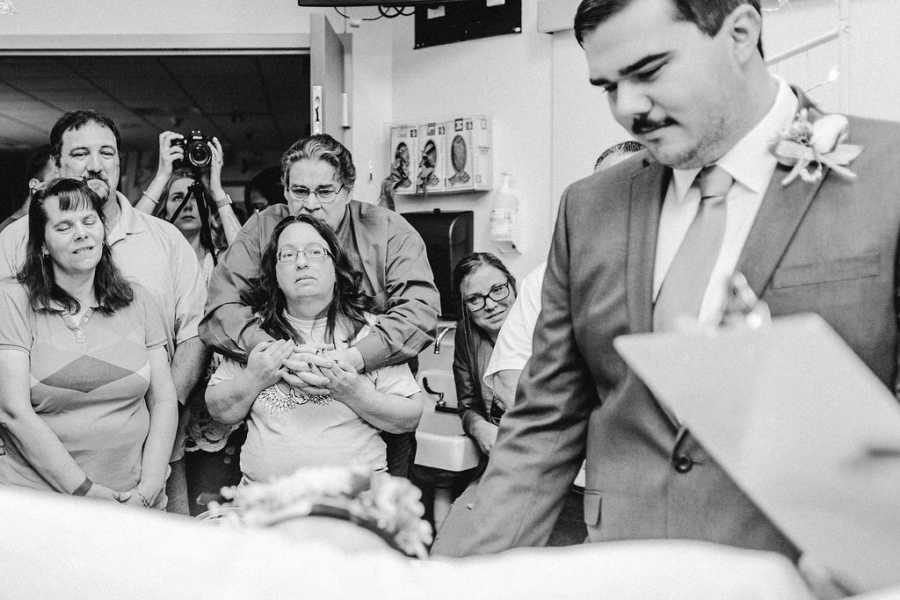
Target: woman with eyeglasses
pixel 308 297
pixel 488 291
pixel 390 255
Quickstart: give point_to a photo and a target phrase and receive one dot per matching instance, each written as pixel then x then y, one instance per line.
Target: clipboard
pixel 801 425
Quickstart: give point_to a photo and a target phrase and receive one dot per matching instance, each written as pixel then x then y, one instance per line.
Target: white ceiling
pixel 251 103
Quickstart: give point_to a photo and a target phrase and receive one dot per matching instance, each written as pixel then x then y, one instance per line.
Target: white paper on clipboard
pixel 802 426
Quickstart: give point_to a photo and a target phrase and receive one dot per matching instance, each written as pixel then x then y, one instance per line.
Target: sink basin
pixel 442 444
pixel 441 441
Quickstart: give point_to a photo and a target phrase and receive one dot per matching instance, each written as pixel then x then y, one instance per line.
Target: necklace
pixel 74 324
pixel 276 400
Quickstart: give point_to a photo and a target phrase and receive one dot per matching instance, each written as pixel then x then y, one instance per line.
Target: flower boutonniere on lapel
pixel 810 146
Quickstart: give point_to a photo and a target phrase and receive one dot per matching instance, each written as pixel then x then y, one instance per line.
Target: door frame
pixel 165 43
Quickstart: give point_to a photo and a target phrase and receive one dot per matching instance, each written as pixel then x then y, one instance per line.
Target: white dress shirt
pixel 751 164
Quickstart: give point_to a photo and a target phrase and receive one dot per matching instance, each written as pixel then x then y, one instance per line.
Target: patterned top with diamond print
pixel 88 382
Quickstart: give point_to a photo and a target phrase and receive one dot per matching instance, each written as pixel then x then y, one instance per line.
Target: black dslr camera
pixel 196 149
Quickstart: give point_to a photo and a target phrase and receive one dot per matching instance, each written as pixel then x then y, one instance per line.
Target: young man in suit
pixel 658 236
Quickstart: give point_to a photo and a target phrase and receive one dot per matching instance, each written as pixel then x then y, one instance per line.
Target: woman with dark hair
pixel 208 226
pixel 201 226
pixel 205 216
pixel 309 296
pixel 263 190
pixel 487 290
pixel 87 403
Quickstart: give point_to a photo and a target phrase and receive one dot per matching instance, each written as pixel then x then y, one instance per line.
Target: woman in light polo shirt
pixel 87 403
pixel 308 299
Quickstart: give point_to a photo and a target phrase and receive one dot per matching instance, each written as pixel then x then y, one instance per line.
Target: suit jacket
pixel 828 247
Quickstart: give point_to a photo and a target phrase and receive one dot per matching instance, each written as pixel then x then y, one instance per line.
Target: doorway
pixel 256 103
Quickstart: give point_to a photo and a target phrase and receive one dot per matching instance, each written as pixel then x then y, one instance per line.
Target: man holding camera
pixel 149 251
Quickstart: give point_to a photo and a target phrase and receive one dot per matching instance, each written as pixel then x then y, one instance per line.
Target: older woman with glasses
pixel 488 291
pixel 309 297
pixel 319 175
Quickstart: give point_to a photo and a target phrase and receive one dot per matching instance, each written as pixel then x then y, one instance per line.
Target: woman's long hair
pixel 212 236
pixel 111 289
pixel 348 301
pixel 465 267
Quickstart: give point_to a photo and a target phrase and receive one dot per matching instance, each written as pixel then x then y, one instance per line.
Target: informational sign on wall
pixel 317 110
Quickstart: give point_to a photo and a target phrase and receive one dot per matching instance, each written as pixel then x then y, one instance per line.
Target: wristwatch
pixel 223 201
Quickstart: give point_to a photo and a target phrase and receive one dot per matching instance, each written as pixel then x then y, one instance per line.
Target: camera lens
pixel 199 154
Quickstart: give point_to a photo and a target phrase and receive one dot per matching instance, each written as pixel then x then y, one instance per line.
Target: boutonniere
pixel 810 146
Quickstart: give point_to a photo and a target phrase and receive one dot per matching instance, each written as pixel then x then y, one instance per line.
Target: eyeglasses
pixel 326 195
pixel 311 252
pixel 476 302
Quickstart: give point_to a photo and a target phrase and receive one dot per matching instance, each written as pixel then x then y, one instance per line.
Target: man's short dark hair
pixel 77 119
pixel 707 15
pixel 268 183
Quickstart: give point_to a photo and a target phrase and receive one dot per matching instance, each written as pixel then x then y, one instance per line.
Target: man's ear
pixel 744 27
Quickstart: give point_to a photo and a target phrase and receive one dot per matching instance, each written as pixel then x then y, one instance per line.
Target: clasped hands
pixel 313 371
pixel 143 495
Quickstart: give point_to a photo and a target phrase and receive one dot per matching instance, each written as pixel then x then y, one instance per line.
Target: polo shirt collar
pixel 129 223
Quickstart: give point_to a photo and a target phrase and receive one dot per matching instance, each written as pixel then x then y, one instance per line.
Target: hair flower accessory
pixel 388 506
pixel 810 146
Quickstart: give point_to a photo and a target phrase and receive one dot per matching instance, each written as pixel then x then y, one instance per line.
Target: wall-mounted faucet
pixel 442 332
pixel 440 402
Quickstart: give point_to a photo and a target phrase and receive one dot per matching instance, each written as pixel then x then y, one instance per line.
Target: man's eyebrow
pixel 626 71
pixel 102 147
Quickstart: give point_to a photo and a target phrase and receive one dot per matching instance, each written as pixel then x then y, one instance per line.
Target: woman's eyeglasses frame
pixel 498 293
pixel 309 252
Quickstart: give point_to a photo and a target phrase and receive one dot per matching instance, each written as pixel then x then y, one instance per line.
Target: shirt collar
pixel 129 222
pixel 56 306
pixel 750 161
